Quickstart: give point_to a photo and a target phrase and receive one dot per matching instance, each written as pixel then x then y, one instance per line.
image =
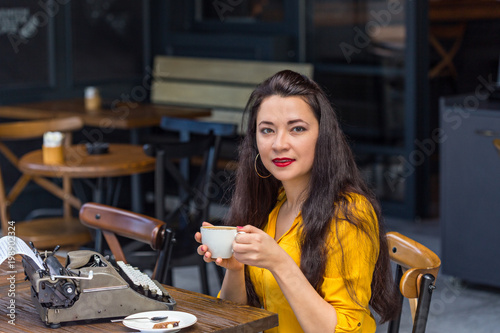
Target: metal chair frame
pixel 198 141
pixel 416 272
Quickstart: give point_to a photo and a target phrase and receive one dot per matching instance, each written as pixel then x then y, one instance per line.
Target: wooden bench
pixel 223 85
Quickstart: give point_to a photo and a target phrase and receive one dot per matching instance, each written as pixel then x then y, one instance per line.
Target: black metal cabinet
pixel 470 188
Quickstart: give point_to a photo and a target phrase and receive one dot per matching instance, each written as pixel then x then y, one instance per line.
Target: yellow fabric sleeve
pixel 350 295
pixel 360 253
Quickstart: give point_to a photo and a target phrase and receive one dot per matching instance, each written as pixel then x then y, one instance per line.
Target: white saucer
pixel 185 320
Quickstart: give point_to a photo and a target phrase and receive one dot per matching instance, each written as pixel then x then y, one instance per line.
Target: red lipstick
pixel 283 161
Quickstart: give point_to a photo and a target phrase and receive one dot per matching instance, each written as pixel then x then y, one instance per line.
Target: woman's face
pixel 287 131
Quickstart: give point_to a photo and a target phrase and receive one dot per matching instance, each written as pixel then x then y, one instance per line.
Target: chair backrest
pixel 222 85
pixel 27 130
pixel 416 272
pixel 210 82
pixel 496 142
pixel 196 148
pixel 23 130
pixel 115 222
pixel 439 34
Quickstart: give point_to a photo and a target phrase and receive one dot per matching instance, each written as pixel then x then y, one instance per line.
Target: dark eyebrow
pixel 265 123
pixel 290 122
pixel 294 121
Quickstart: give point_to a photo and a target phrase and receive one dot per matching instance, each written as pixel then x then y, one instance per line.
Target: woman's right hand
pixel 230 264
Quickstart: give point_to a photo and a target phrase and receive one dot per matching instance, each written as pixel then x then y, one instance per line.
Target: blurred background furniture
pixel 116 114
pixel 437 35
pixel 496 143
pixel 115 222
pixel 470 214
pixel 213 82
pixel 120 160
pixel 46 232
pixel 187 164
pixel 223 85
pixel 448 21
pixel 121 114
pixel 417 268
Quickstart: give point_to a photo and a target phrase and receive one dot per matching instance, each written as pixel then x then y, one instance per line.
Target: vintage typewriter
pixel 90 287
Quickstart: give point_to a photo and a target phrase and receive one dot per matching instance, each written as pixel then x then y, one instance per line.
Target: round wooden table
pixel 120 160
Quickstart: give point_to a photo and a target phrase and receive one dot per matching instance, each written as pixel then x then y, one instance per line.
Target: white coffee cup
pixel 219 240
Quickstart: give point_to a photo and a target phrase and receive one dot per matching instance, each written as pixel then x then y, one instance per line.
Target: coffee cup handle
pixel 237 233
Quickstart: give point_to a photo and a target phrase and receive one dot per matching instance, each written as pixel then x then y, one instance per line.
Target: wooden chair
pixel 496 143
pixel 449 32
pixel 47 232
pixel 115 222
pixel 189 162
pixel 211 82
pixel 222 85
pixel 416 272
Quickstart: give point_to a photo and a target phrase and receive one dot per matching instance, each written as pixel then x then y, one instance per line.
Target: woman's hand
pixel 256 248
pixel 231 263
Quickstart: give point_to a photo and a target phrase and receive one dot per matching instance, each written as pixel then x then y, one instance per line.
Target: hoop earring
pixel 255 167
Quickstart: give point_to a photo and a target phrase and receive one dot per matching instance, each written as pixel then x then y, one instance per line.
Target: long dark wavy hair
pixel 334 178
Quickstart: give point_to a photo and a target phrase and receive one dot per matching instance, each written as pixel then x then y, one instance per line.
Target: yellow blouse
pixel 360 254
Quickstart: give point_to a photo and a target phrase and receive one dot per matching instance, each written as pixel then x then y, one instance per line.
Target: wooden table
pixel 121 115
pixel 214 315
pixel 463 10
pixel 130 116
pixel 121 160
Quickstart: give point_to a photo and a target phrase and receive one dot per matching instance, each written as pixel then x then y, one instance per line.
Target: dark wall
pixel 54 51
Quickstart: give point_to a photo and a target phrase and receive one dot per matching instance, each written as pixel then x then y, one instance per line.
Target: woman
pixel 313 250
